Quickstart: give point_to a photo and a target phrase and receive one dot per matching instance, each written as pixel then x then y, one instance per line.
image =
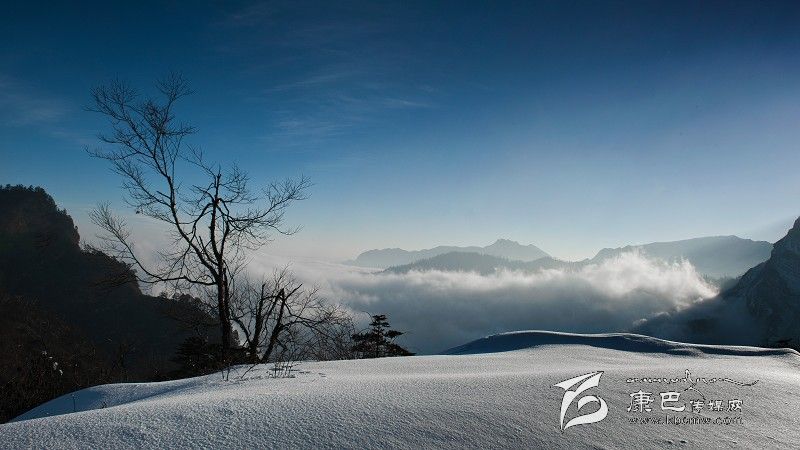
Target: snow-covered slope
pixel 497 392
pixel 627 342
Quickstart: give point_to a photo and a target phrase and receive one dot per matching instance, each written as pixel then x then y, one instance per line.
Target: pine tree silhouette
pixel 378 341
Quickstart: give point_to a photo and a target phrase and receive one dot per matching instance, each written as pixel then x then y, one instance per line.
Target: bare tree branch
pixel 213 224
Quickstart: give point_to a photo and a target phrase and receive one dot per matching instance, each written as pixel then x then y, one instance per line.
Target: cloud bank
pixel 439 310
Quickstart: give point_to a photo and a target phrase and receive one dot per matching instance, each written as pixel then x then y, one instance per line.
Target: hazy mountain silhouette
pixel 762 308
pixel 476 262
pixel 713 256
pixel 502 248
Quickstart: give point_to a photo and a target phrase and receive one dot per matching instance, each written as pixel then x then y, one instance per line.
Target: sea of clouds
pixel 439 310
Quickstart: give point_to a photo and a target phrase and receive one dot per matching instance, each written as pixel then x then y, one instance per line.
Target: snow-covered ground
pixel 497 392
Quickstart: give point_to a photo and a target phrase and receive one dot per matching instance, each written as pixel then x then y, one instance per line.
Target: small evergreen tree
pixel 378 341
pixel 196 356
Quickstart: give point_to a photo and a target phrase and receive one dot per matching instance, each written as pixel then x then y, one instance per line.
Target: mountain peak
pixel 505 242
pixel 792 239
pixel 785 258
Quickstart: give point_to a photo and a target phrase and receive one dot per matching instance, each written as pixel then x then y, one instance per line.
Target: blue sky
pixel 571 125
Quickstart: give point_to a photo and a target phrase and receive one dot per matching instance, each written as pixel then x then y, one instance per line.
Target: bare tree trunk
pixel 215 223
pixel 224 322
pixel 277 328
pixel 259 323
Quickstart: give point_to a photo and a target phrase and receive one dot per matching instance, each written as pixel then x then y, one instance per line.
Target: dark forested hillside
pixel 85 291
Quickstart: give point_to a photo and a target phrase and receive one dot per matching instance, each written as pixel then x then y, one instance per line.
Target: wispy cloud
pixel 314 80
pixel 325 74
pixel 312 127
pixel 20 105
pixel 250 15
pixel 328 106
pixel 401 103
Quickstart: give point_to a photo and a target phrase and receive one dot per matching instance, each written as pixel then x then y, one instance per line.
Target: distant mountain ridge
pixel 475 262
pixel 714 257
pixel 502 248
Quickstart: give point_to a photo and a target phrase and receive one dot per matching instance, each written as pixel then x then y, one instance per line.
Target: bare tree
pixel 212 224
pixel 277 317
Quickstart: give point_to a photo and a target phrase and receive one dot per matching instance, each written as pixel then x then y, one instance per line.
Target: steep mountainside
pixel 771 291
pixel 762 308
pixel 41 260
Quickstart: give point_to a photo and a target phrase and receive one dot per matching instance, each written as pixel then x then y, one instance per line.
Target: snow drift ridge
pixel 520 340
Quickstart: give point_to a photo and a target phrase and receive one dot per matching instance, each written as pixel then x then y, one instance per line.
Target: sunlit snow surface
pixel 497 392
